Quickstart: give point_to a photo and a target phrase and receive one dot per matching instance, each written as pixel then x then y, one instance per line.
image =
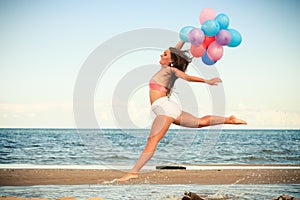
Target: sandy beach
pixel 62 198
pixel 210 175
pixel 206 175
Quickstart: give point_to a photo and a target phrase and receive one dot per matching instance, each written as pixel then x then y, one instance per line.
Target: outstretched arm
pixel 179 45
pixel 181 74
pixel 213 81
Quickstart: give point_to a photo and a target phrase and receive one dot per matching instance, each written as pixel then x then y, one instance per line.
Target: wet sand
pixel 27 177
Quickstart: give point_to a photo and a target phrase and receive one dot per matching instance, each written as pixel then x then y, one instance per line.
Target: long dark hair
pixel 180 60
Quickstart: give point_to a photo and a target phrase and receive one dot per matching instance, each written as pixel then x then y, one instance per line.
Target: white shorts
pixel 167 107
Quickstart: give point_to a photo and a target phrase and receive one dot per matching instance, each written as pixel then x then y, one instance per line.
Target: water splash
pixel 215 196
pixel 113 182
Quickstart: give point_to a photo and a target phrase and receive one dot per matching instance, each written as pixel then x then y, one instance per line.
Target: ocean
pixel 115 147
pixel 122 147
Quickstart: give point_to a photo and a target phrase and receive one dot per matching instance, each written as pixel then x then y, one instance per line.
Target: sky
pixel 44 45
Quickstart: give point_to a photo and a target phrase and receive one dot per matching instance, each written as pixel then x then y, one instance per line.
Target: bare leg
pixel 159 128
pixel 188 120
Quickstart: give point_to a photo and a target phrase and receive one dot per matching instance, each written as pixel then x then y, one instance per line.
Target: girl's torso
pixel 161 83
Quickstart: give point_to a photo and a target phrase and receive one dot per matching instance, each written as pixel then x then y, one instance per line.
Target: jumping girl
pixel 174 63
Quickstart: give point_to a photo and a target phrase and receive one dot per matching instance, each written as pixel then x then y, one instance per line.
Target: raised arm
pixel 179 45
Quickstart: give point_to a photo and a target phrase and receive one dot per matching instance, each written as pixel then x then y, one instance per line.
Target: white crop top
pixel 165 77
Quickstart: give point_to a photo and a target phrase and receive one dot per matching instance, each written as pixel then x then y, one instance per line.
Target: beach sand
pixel 62 198
pixel 27 177
pixel 208 175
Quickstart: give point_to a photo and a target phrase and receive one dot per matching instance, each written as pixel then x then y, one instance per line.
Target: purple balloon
pixel 223 37
pixel 196 36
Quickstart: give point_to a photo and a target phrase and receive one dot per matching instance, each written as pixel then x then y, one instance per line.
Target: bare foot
pixel 235 120
pixel 128 176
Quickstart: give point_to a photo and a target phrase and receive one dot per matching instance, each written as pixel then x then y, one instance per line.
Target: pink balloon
pixel 215 51
pixel 197 51
pixel 206 14
pixel 223 37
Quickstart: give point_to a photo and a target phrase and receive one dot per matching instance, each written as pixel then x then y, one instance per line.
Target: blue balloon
pixel 223 21
pixel 184 32
pixel 210 28
pixel 206 60
pixel 236 38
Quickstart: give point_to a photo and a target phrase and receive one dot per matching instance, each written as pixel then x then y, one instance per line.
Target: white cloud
pixel 140 114
pixel 265 117
pixel 36 115
pixel 61 115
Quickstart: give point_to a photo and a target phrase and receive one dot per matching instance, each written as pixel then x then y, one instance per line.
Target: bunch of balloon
pixel 208 41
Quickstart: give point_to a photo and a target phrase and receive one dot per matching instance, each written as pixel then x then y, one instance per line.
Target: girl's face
pixel 165 58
